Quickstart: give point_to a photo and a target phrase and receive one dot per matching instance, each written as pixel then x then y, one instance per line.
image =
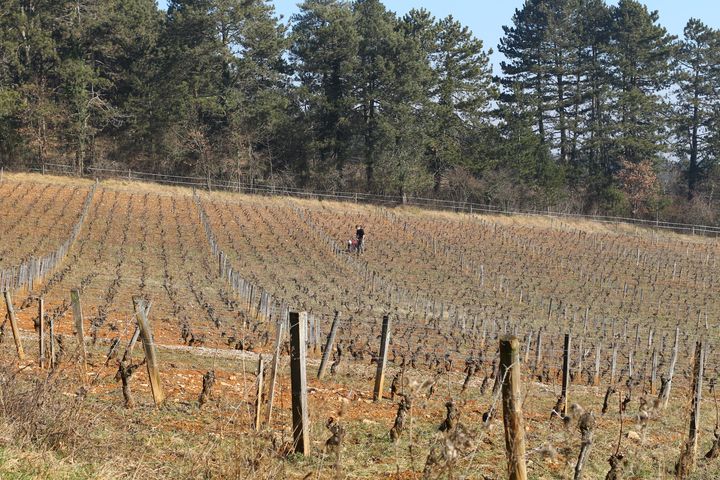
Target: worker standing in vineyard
pixel 359 234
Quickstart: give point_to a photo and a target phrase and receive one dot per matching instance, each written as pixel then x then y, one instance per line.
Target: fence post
pixel 512 408
pixel 565 374
pixel 298 380
pixel 41 315
pixel 329 345
pixel 13 325
pixel 79 328
pixel 382 359
pixel 150 352
pixel 686 463
pixel 259 392
pixel 274 368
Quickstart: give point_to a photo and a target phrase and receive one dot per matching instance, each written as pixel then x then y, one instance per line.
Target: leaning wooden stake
pixel 136 334
pixel 274 370
pixel 259 392
pixel 13 326
pixel 298 380
pixel 686 464
pixel 512 408
pixel 329 345
pixel 41 333
pixel 382 359
pixel 79 329
pixel 150 351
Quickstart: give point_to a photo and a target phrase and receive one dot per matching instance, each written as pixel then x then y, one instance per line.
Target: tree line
pixel 596 107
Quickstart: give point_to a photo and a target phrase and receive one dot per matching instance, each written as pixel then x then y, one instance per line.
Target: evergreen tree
pixel 698 101
pixel 254 83
pixel 462 93
pixel 640 56
pixel 377 79
pixel 591 105
pixel 526 72
pixel 324 54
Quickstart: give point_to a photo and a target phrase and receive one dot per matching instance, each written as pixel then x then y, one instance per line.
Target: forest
pixel 595 107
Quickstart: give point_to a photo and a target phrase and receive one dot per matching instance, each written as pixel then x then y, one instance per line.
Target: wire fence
pixel 255 188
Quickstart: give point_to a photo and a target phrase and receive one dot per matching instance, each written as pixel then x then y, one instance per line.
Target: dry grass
pixel 43 179
pixel 48 431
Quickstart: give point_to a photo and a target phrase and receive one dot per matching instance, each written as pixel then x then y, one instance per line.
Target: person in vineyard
pixel 359 235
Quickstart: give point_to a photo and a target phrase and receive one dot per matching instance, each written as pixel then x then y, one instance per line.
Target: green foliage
pixel 697 87
pixel 347 95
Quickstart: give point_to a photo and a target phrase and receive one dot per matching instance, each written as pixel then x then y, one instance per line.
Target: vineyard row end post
pixel 382 359
pixel 512 408
pixel 280 326
pixel 298 381
pixel 259 392
pixel 565 374
pixel 150 350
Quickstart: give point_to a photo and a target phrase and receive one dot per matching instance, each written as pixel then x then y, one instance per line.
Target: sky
pixel 486 17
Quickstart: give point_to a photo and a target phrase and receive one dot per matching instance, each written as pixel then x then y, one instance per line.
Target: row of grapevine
pixel 25 274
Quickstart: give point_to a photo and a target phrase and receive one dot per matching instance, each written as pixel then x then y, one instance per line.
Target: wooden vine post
pixel 51 332
pixel 280 327
pixel 298 380
pixel 596 374
pixel 14 326
pixel 538 351
pixel 150 351
pixel 653 372
pixel 512 408
pixel 671 371
pixel 41 332
pixel 259 392
pixel 329 345
pixel 565 375
pixel 382 359
pixel 79 329
pixel 687 462
pixel 136 334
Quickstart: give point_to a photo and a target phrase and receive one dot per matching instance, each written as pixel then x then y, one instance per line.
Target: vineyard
pixel 612 368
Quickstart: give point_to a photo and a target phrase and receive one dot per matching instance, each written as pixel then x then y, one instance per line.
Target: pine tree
pixel 698 101
pixel 376 79
pixel 254 80
pixel 462 94
pixel 324 55
pixel 526 72
pixel 640 54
